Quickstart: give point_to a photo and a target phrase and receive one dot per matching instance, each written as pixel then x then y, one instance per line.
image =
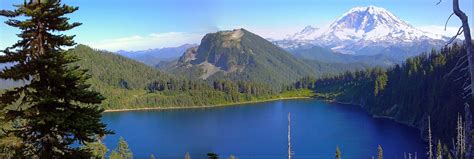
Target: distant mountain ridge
pixel 317 53
pixel 153 56
pixel 367 30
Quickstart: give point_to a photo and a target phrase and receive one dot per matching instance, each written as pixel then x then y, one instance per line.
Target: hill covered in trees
pixel 128 84
pixel 408 93
pixel 326 55
pixel 241 55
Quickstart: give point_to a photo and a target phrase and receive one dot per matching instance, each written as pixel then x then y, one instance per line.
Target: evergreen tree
pixel 187 156
pixel 56 108
pixel 98 149
pixel 430 138
pixel 152 156
pixel 439 150
pixel 446 152
pixel 379 152
pixel 212 155
pixel 115 155
pixel 123 150
pixel 338 153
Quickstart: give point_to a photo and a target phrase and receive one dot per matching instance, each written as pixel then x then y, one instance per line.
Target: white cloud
pixel 170 39
pixel 276 32
pixel 437 29
pixel 154 40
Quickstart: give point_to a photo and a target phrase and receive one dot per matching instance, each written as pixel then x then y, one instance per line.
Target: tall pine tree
pixel 56 108
pixel 379 152
pixel 338 153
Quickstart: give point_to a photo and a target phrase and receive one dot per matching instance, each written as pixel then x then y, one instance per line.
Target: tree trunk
pixel 468 43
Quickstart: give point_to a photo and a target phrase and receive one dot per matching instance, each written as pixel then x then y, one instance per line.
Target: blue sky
pixel 143 24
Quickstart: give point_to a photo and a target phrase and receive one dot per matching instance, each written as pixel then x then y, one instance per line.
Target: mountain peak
pixel 241 54
pixel 369 8
pixel 363 27
pixel 308 29
pixel 368 18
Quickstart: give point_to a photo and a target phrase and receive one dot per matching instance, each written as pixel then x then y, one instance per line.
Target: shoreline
pixel 204 106
pixel 373 115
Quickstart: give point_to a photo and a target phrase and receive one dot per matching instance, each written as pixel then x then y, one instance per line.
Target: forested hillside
pixel 114 70
pixel 241 55
pixel 128 84
pixel 326 55
pixel 408 93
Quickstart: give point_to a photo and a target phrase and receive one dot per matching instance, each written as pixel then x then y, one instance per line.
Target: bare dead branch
pixel 465 84
pixel 446 24
pixel 469 51
pixel 460 31
pixel 459 78
pixel 468 95
pixel 467 88
pixel 461 61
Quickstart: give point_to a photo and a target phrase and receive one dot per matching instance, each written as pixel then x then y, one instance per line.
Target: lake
pixel 259 130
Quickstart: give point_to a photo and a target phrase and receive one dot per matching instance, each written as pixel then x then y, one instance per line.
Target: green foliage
pixel 152 156
pixel 56 108
pixel 231 157
pixel 338 153
pixel 115 70
pixel 409 92
pixel 187 156
pixel 127 84
pixel 212 155
pixel 379 152
pixel 307 82
pixel 439 150
pixel 246 58
pixel 97 149
pixel 380 81
pixel 446 152
pixel 122 149
pixel 297 93
pixel 115 155
pixel 342 62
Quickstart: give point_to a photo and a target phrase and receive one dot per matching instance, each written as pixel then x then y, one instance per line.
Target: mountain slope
pixel 326 55
pixel 128 84
pixel 409 93
pixel 368 31
pixel 240 55
pixel 115 70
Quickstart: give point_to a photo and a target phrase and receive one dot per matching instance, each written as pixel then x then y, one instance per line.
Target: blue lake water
pixel 260 131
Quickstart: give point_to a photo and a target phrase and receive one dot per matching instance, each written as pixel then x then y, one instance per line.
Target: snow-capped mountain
pixel 367 30
pixel 308 33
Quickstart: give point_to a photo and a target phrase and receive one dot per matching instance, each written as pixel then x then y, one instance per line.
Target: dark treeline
pixel 307 82
pixel 408 93
pixel 226 86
